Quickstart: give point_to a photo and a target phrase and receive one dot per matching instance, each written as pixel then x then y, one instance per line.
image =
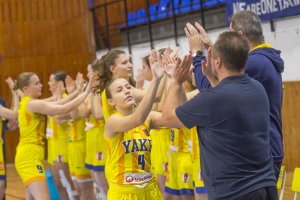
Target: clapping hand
pixel 70 85
pixel 156 65
pixel 11 84
pixel 183 69
pixel 204 36
pixel 140 79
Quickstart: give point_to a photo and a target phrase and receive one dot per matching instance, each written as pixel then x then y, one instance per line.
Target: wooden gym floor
pixel 15 189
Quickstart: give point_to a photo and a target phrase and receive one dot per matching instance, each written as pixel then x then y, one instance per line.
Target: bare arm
pixel 176 95
pixel 96 106
pixel 116 123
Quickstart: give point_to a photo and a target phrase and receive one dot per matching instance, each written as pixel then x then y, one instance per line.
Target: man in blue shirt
pixel 232 119
pixel 264 64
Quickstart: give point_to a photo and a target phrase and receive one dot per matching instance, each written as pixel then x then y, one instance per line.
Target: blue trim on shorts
pixel 89 166
pixel 2 177
pixel 100 168
pixel 179 192
pixel 201 190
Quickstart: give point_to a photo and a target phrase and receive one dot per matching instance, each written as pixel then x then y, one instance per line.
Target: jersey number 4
pixel 141 161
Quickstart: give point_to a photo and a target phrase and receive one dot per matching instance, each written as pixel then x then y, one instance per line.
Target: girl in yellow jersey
pixel 6 113
pixel 77 151
pixel 127 134
pixel 32 122
pixel 95 143
pixel 57 133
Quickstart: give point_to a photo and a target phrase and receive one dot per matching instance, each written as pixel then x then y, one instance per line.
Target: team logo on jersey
pixel 40 169
pixel 100 155
pixel 185 178
pixel 134 178
pixel 172 135
pixel 60 158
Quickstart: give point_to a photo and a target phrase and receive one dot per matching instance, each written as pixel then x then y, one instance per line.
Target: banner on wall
pixel 265 9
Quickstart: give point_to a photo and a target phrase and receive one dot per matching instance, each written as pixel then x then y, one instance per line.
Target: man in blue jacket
pixel 264 64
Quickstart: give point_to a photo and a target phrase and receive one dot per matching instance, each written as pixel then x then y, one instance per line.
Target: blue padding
pixel 201 190
pixel 131 18
pixel 141 16
pixel 196 5
pixel 186 6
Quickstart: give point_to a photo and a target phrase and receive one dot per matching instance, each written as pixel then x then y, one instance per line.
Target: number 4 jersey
pixel 128 160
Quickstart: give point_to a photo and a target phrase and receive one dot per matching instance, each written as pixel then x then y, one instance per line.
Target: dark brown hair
pixel 233 49
pixel 146 58
pixel 60 76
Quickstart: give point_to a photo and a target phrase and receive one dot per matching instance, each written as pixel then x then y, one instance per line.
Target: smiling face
pixel 120 95
pixel 122 67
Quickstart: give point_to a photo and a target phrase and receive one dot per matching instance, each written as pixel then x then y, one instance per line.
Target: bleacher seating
pixel 164 10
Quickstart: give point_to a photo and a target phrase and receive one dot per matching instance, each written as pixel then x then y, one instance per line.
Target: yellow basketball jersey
pixel 93 123
pixel 179 139
pixel 77 129
pixel 32 125
pixel 194 143
pixel 2 119
pixel 56 131
pixel 129 157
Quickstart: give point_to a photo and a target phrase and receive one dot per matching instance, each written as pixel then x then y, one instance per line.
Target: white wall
pixel 285 38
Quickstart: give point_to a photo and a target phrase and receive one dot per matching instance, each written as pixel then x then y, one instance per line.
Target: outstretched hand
pixel 156 65
pixel 183 69
pixel 194 40
pixel 10 83
pixel 140 79
pixel 70 85
pixel 204 36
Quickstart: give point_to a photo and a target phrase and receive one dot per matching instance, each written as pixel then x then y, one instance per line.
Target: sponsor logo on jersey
pixel 136 178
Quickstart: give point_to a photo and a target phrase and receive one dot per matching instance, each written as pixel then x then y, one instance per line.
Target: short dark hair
pixel 233 49
pixel 250 24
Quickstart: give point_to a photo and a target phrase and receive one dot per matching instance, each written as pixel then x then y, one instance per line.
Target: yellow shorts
pixel 197 176
pixel 128 192
pixel 160 147
pixel 95 149
pixel 179 176
pixel 76 158
pixel 2 167
pixel 57 150
pixel 29 163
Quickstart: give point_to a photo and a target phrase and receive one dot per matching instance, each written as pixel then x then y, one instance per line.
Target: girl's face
pixel 146 71
pixel 122 67
pixel 121 94
pixel 34 88
pixel 52 84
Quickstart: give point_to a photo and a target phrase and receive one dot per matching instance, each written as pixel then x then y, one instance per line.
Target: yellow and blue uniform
pixel 57 135
pixel 195 151
pixel 77 149
pixel 29 159
pixel 95 145
pixel 2 164
pixel 128 166
pixel 160 147
pixel 179 175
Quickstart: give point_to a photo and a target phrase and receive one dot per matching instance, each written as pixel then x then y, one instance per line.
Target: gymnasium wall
pixel 43 36
pixel 286 37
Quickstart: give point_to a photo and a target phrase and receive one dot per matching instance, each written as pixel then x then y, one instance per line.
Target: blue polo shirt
pixel 233 127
